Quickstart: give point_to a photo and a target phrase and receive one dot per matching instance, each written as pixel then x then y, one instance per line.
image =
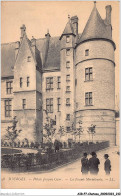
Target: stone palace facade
pixel 70 78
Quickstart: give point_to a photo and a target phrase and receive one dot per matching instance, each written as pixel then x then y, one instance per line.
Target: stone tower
pixel 67 55
pixel 95 74
pixel 27 88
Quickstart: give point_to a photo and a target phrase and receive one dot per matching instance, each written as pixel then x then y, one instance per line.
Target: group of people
pixel 92 164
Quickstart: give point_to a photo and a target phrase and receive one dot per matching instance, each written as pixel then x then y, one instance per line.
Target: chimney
pixel 108 14
pixel 33 41
pixel 74 22
pixel 47 35
pixel 17 46
pixel 23 30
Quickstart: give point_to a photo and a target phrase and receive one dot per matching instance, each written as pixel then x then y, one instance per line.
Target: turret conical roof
pixel 68 29
pixel 95 27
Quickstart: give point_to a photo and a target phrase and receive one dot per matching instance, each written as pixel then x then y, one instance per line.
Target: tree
pixel 91 130
pixel 74 131
pixel 49 129
pixel 12 132
pixel 25 142
pixel 79 130
pixel 61 131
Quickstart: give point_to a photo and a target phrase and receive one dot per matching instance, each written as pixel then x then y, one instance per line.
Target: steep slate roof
pixel 52 61
pixel 7 59
pixel 68 29
pixel 95 27
pixel 48 49
pixel 53 57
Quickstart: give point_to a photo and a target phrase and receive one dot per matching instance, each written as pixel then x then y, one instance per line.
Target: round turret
pixel 95 74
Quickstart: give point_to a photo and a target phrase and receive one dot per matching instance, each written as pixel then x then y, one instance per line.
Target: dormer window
pixel 67 52
pixel 67 39
pixel 29 59
pixel 87 52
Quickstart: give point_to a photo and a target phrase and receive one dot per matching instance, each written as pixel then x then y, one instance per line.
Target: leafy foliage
pixel 91 130
pixel 49 129
pixel 12 132
pixel 61 131
pixel 77 131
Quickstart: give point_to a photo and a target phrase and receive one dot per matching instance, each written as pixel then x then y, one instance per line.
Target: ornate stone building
pixel 70 78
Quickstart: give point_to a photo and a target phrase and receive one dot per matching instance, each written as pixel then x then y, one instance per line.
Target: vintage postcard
pixel 60 95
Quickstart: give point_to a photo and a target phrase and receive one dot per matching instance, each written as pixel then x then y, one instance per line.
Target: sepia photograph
pixel 60 109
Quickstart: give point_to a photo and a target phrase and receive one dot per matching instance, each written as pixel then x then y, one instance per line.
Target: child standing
pixel 107 164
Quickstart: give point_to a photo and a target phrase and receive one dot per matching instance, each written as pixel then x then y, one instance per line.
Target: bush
pixel 60 144
pixel 70 143
pixel 10 144
pixel 91 143
pixel 36 145
pixel 49 144
pixel 48 160
pixel 65 144
pixel 77 145
pixel 38 158
pixel 57 145
pixel 32 144
pixel 14 144
pixel 49 150
pixel 22 145
pixel 5 144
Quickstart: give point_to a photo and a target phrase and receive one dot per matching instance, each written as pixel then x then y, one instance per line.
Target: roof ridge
pixel 25 35
pixel 29 40
pixel 50 37
pixel 8 43
pixel 53 60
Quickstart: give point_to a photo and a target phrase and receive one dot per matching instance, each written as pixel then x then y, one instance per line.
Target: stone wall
pixel 104 121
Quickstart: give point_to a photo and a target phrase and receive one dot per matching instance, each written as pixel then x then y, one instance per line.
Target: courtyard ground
pixel 68 176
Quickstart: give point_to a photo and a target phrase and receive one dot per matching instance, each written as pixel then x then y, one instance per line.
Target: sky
pixel 39 16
